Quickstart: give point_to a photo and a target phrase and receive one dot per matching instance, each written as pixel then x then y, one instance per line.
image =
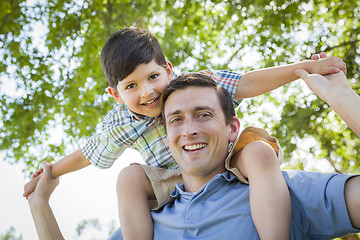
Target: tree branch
pixel 332 163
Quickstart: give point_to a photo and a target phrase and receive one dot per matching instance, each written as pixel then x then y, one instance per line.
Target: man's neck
pixel 193 184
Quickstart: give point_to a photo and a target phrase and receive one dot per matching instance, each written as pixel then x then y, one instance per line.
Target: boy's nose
pixel 146 90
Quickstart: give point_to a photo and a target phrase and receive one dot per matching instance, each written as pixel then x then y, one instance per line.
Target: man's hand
pixel 45 186
pixel 324 85
pixel 44 219
pixel 30 186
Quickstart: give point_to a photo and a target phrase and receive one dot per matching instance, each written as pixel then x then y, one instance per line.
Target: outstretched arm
pixel 336 91
pixel 44 219
pixel 258 82
pixel 70 163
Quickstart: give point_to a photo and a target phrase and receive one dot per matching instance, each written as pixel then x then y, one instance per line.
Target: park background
pixel 52 89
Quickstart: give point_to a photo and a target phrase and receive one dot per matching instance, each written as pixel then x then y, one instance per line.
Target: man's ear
pixel 234 129
pixel 169 70
pixel 115 95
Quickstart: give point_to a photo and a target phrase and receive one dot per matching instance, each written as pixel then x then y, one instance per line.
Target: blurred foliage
pixel 50 53
pixel 10 235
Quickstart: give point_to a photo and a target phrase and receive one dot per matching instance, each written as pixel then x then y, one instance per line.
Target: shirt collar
pixel 180 188
pixel 137 117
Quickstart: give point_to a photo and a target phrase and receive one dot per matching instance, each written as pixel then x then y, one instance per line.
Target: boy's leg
pixel 270 203
pixel 134 191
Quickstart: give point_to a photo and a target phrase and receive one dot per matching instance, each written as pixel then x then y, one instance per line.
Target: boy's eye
pixel 153 76
pixel 132 85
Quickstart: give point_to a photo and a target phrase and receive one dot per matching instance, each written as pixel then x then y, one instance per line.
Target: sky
pixel 83 195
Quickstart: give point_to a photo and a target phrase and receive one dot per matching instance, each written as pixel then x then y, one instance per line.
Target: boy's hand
pixel 318 56
pixel 325 65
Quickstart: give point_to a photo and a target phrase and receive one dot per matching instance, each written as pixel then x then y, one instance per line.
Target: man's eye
pixel 132 85
pixel 204 115
pixel 174 120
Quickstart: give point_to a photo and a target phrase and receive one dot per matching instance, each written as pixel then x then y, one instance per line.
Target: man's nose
pixel 190 129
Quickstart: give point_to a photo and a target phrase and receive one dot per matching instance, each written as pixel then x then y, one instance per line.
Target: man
pixel 212 203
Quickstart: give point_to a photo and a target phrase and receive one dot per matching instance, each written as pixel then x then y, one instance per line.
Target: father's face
pixel 196 131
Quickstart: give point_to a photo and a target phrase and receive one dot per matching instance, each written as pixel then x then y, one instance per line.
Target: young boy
pixel 138 74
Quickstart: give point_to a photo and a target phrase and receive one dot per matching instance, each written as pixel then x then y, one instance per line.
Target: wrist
pixel 307 65
pixel 336 97
pixel 38 202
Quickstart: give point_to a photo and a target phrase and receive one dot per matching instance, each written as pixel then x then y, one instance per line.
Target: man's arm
pixel 258 82
pixel 70 163
pixel 44 219
pixel 352 200
pixel 336 91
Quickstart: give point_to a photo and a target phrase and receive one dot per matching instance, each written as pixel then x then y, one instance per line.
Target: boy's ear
pixel 169 70
pixel 234 129
pixel 115 95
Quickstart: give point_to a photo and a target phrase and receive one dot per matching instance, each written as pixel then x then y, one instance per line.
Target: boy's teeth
pixel 195 146
pixel 150 102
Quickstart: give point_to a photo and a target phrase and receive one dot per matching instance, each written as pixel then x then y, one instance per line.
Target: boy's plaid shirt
pixel 123 129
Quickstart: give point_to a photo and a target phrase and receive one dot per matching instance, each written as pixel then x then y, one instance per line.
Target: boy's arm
pixel 70 163
pixel 261 81
pixel 336 91
pixel 44 219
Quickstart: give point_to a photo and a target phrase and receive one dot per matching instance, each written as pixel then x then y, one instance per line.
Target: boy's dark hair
pixel 125 50
pixel 200 80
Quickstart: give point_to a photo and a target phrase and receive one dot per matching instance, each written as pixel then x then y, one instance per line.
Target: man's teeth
pixel 195 146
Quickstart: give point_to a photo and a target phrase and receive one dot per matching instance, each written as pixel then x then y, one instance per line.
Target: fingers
pixel 31 185
pixel 318 56
pixel 334 70
pixel 322 55
pixel 315 57
pixel 301 73
pixel 46 169
pixel 37 173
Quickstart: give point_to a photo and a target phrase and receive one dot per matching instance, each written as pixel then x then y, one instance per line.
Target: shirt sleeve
pixel 118 133
pixel 318 204
pixel 227 79
pixel 117 235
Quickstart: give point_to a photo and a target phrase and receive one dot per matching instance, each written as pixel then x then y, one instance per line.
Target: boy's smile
pixel 142 90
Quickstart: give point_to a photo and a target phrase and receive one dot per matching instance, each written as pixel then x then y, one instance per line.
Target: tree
pixel 10 235
pixel 50 52
pixel 60 83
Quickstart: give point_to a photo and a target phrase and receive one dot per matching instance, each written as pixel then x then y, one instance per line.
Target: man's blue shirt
pixel 221 209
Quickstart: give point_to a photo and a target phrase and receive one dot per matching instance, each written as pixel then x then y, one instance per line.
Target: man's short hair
pixel 125 50
pixel 200 80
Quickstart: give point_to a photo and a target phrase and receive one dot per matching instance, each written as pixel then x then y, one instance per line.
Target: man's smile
pixel 194 147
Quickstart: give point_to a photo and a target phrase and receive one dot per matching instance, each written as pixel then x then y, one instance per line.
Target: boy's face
pixel 142 90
